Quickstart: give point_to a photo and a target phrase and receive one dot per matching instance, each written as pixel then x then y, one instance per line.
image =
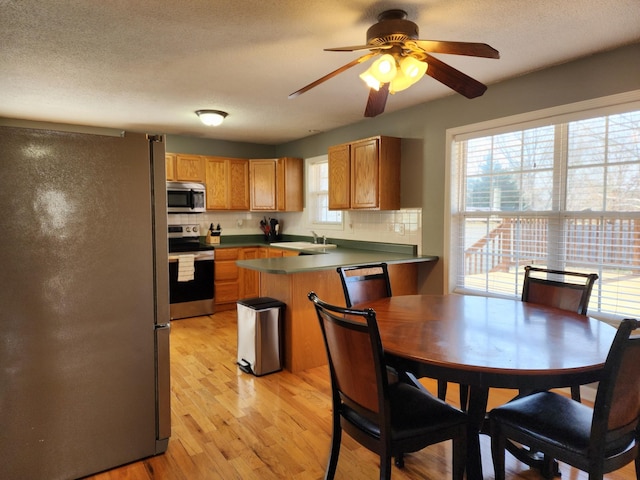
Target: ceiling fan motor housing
pixel 392 27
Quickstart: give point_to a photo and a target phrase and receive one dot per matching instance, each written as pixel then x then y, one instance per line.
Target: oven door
pixel 194 297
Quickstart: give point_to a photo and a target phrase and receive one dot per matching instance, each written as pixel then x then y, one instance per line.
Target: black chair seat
pixel 556 419
pixel 413 412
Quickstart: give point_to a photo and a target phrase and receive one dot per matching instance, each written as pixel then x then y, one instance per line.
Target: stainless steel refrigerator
pixel 84 302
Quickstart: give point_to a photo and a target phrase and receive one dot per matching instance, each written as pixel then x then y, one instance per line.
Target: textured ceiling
pixel 147 65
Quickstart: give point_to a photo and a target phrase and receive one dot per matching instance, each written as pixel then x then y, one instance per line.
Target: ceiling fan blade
pixel 459 48
pixel 377 101
pixel 357 47
pixel 454 79
pixel 332 74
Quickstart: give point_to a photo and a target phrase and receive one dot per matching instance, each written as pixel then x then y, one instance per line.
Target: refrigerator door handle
pixel 163 386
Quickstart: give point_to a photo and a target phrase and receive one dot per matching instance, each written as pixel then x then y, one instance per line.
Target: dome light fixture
pixel 211 118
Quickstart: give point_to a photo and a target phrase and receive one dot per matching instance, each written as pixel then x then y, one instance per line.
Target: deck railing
pixel 521 241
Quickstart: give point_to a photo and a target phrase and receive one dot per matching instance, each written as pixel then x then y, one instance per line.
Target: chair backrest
pixel 354 352
pixel 364 283
pixel 556 288
pixel 616 410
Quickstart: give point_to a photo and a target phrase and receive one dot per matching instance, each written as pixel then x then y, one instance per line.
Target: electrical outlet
pixel 399 228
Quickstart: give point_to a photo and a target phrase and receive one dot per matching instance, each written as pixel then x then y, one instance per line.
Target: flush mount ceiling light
pixel 211 118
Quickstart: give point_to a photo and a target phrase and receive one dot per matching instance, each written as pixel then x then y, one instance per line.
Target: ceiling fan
pixel 404 59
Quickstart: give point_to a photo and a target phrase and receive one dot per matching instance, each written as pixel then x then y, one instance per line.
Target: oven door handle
pixel 197 257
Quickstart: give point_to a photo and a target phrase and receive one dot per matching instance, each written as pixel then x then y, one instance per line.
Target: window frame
pixel 311 194
pixel 452 259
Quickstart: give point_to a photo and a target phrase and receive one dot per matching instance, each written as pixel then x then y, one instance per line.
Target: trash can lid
pixel 259 303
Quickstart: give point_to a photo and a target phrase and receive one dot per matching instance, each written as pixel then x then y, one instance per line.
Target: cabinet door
pixel 226 281
pixel 238 184
pixel 262 181
pixel 170 166
pixel 189 168
pixel 365 179
pixel 339 177
pixel 289 184
pixel 249 279
pixel 216 179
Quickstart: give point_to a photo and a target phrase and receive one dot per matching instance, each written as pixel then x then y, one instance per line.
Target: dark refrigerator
pixel 84 302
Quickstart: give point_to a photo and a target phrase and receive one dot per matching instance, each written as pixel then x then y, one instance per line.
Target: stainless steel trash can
pixel 259 335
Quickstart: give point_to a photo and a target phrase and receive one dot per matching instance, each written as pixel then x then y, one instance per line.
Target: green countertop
pixel 334 258
pixel 345 254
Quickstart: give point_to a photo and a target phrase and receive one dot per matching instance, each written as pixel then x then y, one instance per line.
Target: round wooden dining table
pixel 486 342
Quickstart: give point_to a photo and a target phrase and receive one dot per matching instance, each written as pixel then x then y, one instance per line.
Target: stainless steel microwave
pixel 183 197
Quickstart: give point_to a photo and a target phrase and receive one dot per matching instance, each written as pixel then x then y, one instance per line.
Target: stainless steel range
pixel 191 267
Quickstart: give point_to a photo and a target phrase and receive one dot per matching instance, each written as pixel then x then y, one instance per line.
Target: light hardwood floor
pixel 230 425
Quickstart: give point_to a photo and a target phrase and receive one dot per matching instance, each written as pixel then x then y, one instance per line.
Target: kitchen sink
pixel 303 245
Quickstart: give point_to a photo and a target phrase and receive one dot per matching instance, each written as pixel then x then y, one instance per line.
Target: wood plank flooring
pixel 230 425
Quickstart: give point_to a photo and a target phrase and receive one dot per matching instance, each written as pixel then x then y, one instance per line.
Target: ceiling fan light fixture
pixel 384 68
pixel 211 118
pixel 411 70
pixel 371 81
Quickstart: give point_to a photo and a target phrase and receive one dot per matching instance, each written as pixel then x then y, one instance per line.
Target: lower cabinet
pixel 231 283
pixel 250 279
pixel 226 278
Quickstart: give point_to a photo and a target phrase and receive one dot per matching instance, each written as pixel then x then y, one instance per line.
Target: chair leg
pixel 575 393
pixel 400 460
pixel 442 389
pixel 385 467
pixel 464 397
pixel 498 445
pixel 459 461
pixel 550 467
pixel 336 438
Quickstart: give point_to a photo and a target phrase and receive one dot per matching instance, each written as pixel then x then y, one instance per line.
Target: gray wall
pixel 423 131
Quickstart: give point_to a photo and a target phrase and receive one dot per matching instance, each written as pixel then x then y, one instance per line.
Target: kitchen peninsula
pixel 290 278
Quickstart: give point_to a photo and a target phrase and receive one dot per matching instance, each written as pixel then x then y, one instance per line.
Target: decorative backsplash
pixel 399 226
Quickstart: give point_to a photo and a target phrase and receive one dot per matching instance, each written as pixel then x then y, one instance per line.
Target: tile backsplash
pixel 398 226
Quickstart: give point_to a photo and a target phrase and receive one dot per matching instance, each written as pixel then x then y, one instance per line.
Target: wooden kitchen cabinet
pixel 226 278
pixel 189 168
pixel 339 177
pixel 227 181
pixel 365 174
pixel 276 184
pixel 232 283
pixel 170 166
pixel 249 279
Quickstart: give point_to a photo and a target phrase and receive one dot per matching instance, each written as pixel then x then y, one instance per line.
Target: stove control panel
pixel 184 231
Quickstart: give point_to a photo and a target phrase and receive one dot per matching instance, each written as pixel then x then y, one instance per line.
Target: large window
pixel 558 193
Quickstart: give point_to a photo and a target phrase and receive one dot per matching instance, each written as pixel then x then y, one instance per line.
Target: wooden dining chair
pixel 569 291
pixel 364 283
pixel 556 288
pixel 596 440
pixel 388 419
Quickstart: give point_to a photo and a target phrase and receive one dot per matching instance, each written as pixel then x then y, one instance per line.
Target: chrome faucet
pixel 315 236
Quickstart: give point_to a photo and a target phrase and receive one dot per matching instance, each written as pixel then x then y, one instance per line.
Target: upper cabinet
pixel 276 184
pixel 227 181
pixel 340 177
pixel 170 165
pixel 365 174
pixel 189 168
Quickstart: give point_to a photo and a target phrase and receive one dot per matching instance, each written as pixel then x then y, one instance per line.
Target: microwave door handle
pixel 192 199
